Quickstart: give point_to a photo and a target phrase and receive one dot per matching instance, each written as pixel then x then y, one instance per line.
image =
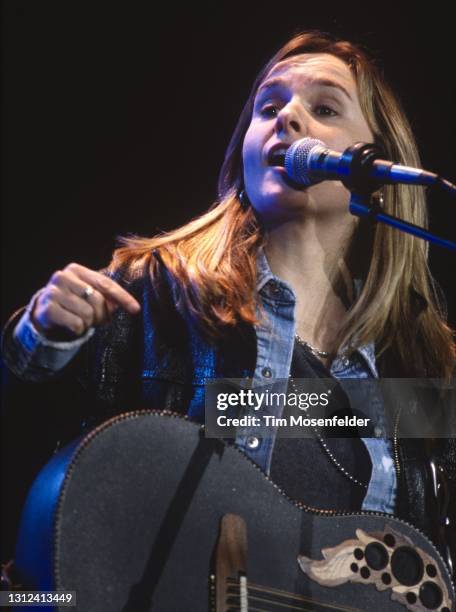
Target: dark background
pixel 115 121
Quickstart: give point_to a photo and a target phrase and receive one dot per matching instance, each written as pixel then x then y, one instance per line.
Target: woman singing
pixel 276 280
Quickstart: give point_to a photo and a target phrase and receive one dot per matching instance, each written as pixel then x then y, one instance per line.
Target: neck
pixel 313 260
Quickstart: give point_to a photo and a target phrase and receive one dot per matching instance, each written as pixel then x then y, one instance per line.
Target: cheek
pixel 356 130
pixel 363 131
pixel 250 153
pixel 249 144
pixel 255 138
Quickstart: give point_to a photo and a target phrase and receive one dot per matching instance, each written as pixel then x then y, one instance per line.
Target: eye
pixel 325 111
pixel 269 110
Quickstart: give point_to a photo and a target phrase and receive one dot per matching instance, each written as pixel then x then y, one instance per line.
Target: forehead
pixel 314 66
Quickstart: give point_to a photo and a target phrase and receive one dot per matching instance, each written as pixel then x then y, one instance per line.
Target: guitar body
pixel 129 518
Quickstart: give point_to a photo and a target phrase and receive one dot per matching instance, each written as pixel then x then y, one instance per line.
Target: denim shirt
pixel 275 342
pixel 275 334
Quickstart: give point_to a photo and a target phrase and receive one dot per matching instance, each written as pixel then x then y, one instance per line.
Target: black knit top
pixel 302 468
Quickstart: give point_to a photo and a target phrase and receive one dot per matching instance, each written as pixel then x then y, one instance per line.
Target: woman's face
pixel 310 95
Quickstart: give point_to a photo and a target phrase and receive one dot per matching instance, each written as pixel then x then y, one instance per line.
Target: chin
pixel 276 199
pixel 330 195
pixel 288 207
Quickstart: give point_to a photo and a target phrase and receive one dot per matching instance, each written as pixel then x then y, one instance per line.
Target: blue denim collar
pixel 265 276
pixel 264 273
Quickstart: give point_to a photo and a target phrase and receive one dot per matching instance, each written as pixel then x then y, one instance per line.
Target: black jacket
pixel 161 360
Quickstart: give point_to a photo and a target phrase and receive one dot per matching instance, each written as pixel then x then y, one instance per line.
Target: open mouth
pixel 277 159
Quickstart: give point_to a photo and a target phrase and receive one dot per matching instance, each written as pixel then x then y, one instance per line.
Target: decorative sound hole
pixel 387 560
pixel 376 556
pixel 431 595
pixel 431 570
pixel 389 540
pixel 365 573
pixel 358 554
pixel 407 566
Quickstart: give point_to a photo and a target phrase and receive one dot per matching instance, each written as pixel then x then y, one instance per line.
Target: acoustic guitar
pixel 145 513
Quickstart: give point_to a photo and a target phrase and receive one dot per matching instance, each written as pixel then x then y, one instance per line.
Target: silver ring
pixel 88 291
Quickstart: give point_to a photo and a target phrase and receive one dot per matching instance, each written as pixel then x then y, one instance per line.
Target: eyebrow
pixel 313 81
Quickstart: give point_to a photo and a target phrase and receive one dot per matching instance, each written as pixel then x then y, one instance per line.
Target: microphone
pixel 309 161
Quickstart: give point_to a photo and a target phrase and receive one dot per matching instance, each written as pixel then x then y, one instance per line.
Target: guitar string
pixel 278 605
pixel 231 608
pixel 261 609
pixel 252 609
pixel 258 587
pixel 270 590
pixel 308 600
pixel 249 610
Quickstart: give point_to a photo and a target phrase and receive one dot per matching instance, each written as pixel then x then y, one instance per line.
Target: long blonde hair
pixel 213 258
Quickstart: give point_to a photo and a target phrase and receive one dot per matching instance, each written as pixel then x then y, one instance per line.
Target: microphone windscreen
pixel 297 158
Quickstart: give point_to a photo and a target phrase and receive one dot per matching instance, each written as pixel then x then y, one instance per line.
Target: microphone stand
pixel 361 205
pixel 361 178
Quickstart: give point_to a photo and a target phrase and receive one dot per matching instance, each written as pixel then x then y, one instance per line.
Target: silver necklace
pixel 327 450
pixel 313 349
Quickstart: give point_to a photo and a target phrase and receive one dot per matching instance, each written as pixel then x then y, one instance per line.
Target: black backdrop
pixel 115 120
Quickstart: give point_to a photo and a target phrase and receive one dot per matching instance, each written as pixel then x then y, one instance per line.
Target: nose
pixel 291 120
